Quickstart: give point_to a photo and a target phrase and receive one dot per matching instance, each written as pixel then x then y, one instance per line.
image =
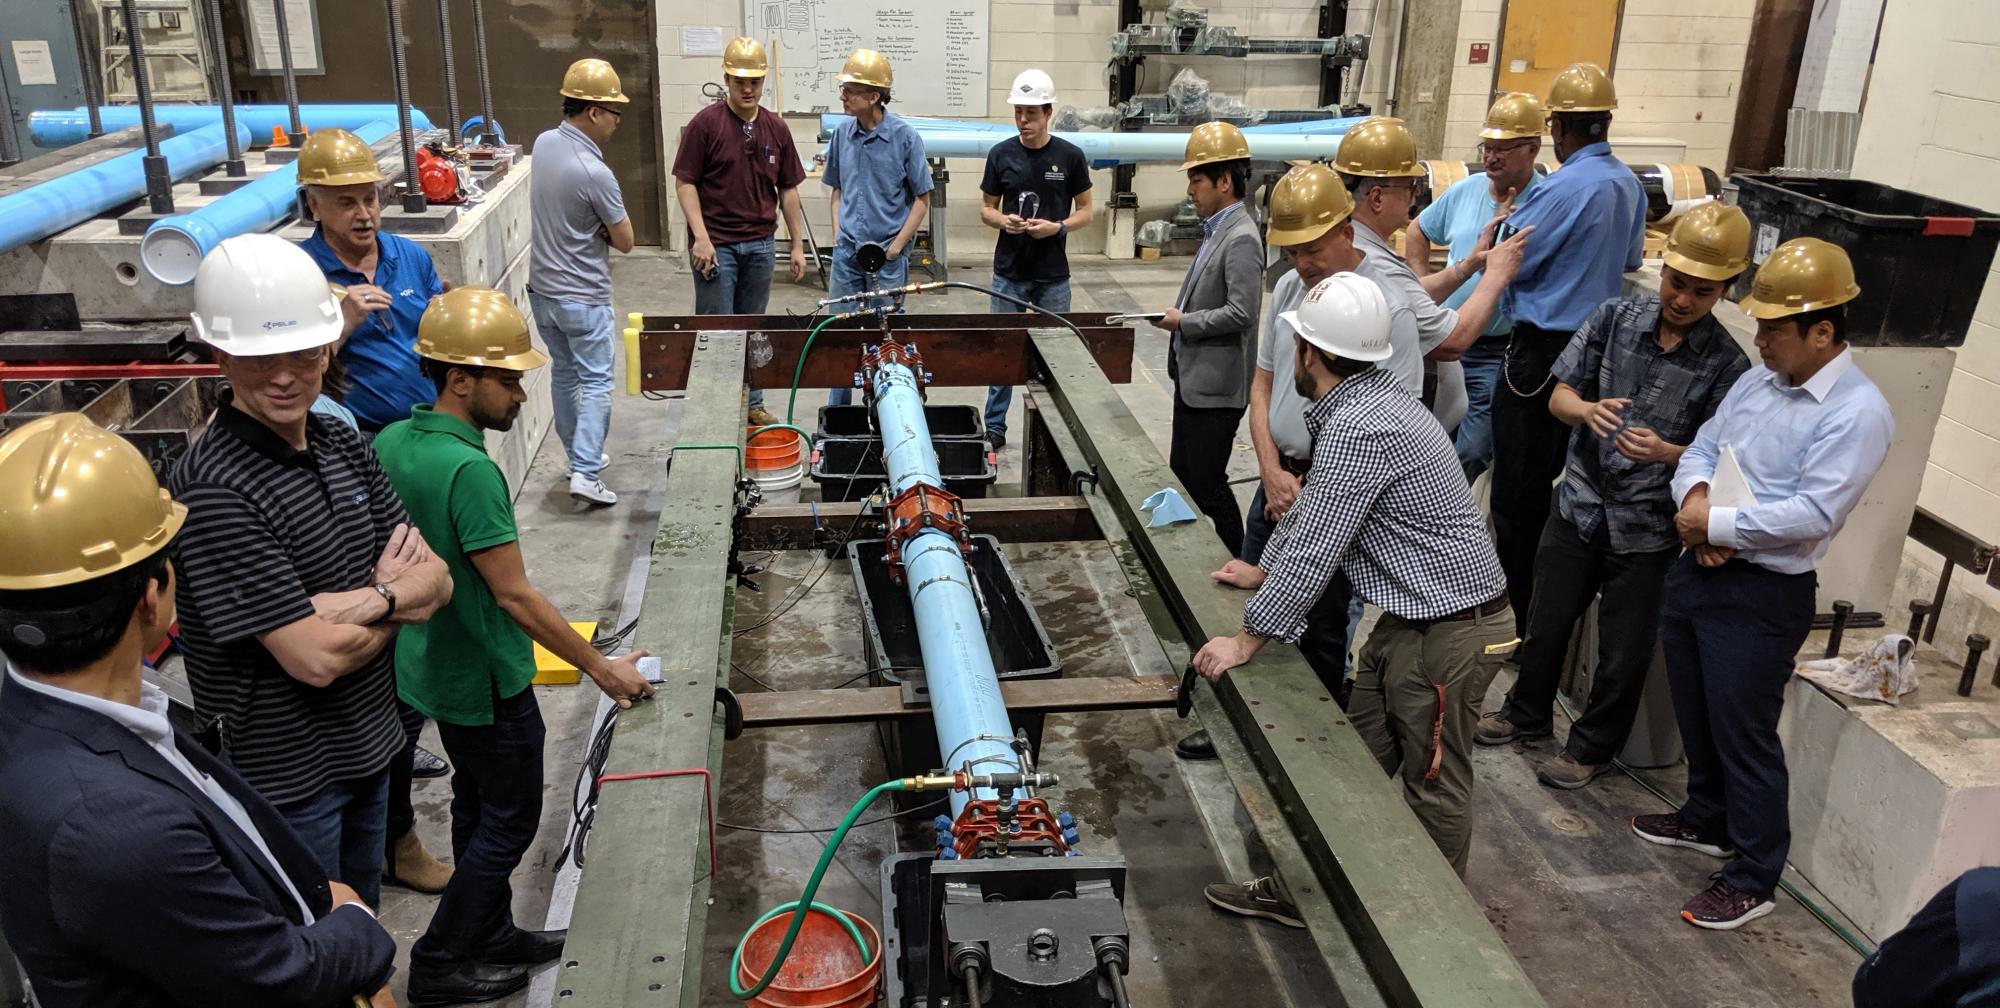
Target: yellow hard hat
pixel 1308 202
pixel 1804 274
pixel 744 57
pixel 866 66
pixel 1380 147
pixel 1215 141
pixel 1582 87
pixel 335 157
pixel 78 502
pixel 1517 114
pixel 1712 242
pixel 592 80
pixel 477 326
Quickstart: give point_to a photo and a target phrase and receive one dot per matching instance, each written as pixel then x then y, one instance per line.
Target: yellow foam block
pixel 553 671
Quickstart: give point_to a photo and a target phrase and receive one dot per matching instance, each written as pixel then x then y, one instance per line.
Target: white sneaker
pixel 592 489
pixel 603 459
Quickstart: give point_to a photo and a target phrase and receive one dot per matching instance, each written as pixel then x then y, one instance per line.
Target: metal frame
pixel 1394 924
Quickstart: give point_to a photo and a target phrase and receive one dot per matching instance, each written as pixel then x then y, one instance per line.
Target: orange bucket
pixel 825 969
pixel 773 449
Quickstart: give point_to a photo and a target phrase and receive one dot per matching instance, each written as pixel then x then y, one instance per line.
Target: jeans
pixel 1050 294
pixel 1198 453
pixel 1474 440
pixel 847 278
pixel 1528 447
pixel 1731 635
pixel 496 805
pixel 342 827
pixel 1570 573
pixel 580 341
pixel 741 285
pixel 1324 644
pixel 402 816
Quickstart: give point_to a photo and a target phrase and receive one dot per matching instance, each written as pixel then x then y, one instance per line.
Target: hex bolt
pixel 1975 649
pixel 1919 609
pixel 1842 609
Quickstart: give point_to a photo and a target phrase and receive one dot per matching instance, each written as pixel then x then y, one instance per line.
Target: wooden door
pixel 1538 38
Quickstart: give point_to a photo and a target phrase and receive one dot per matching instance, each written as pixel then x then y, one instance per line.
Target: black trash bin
pixel 947 423
pixel 849 469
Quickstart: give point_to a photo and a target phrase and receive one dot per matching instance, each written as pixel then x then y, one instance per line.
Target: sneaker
pixel 1669 831
pixel 603 460
pixel 1563 772
pixel 996 440
pixel 761 417
pixel 590 488
pixel 1495 729
pixel 1723 907
pixel 1258 898
pixel 425 764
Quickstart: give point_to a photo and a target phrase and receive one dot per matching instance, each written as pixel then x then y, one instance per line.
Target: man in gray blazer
pixel 1214 322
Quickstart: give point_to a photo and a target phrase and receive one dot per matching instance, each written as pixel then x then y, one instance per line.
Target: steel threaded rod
pixel 233 165
pixel 485 78
pixel 298 130
pixel 450 70
pixel 413 190
pixel 159 185
pixel 86 68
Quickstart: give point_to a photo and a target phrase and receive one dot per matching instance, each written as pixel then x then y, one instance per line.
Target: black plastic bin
pixel 947 423
pixel 1014 634
pixel 1921 262
pixel 848 469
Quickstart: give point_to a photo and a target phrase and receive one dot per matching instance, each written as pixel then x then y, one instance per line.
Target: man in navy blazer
pixel 142 870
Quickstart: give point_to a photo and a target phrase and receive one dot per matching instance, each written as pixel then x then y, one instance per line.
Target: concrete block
pixel 1974 402
pixel 1688 28
pixel 1679 56
pixel 1969 454
pixel 1961 502
pixel 1981 353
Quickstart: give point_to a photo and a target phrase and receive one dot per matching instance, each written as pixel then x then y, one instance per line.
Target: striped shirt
pixel 1387 501
pixel 269 527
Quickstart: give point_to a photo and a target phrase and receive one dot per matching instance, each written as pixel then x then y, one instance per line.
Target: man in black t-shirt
pixel 1037 190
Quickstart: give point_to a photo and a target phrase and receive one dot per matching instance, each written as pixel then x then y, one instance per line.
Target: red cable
pixel 707 797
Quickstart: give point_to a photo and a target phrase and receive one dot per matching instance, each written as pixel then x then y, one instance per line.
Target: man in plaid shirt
pixel 1637 381
pixel 1387 503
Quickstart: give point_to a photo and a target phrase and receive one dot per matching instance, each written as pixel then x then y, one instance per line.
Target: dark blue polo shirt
pixel 382 372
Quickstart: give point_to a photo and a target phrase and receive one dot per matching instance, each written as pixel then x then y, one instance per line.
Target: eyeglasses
pixel 1491 149
pixel 615 114
pixel 749 137
pixel 297 360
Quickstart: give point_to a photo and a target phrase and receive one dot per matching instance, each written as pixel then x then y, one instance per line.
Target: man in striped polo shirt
pixel 297 564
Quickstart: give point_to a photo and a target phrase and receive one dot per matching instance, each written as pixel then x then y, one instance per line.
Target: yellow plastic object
pixel 553 671
pixel 632 361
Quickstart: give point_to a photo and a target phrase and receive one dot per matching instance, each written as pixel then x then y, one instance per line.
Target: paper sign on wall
pixel 32 62
pixel 701 40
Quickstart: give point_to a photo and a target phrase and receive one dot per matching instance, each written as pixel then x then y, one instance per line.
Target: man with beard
pixel 472 667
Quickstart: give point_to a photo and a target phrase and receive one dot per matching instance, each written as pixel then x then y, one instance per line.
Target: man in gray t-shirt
pixel 578 217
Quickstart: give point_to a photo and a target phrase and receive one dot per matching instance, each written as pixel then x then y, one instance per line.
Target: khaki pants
pixel 1396 708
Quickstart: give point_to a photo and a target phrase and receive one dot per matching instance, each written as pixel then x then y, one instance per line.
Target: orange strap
pixel 1437 736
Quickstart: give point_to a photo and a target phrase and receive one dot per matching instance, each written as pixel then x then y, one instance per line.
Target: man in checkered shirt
pixel 1387 502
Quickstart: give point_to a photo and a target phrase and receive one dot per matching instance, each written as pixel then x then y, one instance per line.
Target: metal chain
pixel 1507 375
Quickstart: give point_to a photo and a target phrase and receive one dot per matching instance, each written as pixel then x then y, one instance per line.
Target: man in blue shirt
pixel 875 167
pixel 1509 143
pixel 1768 482
pixel 1947 956
pixel 1590 221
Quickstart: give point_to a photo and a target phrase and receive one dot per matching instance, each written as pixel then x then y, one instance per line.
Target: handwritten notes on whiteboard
pixel 938 49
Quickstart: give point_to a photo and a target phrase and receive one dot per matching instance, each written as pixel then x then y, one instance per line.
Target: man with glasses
pixel 1458 217
pixel 735 167
pixel 297 564
pixel 578 217
pixel 879 181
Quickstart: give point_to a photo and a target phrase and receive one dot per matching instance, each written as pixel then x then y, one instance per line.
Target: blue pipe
pixel 39 211
pixel 966 709
pixel 62 127
pixel 926 125
pixel 173 246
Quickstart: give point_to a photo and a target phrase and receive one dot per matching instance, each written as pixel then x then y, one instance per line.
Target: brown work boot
pixel 1561 771
pixel 1495 729
pixel 761 417
pixel 413 867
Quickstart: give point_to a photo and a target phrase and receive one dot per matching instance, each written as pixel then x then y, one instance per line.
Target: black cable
pixel 919 810
pixel 797 595
pixel 740 670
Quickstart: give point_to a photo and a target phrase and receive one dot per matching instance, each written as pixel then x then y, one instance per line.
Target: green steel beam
pixel 635 934
pixel 1421 934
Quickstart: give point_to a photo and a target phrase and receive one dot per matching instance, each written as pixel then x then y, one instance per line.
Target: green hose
pixel 794 428
pixel 792 404
pixel 806 897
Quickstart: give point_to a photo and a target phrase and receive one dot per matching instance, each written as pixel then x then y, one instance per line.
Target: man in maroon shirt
pixel 735 166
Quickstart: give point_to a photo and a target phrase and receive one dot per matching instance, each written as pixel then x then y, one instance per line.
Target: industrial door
pixel 1540 37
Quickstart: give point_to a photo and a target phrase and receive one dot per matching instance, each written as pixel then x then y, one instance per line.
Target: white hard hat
pixel 1032 87
pixel 257 294
pixel 1344 315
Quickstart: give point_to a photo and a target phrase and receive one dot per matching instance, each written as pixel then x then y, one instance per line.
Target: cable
pixel 797 595
pixel 740 670
pixel 878 820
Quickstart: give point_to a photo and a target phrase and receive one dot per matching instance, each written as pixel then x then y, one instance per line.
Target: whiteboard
pixel 937 49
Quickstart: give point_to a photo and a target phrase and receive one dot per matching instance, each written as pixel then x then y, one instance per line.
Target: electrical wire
pixel 797 595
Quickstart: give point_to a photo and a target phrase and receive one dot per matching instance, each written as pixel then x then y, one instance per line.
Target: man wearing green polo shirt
pixel 472 666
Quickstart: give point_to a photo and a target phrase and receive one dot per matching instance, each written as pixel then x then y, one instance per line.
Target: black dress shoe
pixel 425 764
pixel 1196 747
pixel 470 983
pixel 527 948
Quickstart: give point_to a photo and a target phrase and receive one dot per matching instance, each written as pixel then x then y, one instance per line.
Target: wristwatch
pixel 388 595
pixel 1062 228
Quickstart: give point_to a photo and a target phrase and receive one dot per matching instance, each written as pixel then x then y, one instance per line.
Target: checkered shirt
pixel 1386 500
pixel 1617 355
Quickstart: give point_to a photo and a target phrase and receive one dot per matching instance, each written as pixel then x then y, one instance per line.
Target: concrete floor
pixel 1590 911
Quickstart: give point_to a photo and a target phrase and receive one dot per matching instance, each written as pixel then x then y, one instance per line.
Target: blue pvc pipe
pixel 926 125
pixel 62 127
pixel 39 211
pixel 966 709
pixel 173 246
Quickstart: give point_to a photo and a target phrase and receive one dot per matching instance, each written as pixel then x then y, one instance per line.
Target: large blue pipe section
pixel 39 211
pixel 62 127
pixel 173 246
pixel 966 708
